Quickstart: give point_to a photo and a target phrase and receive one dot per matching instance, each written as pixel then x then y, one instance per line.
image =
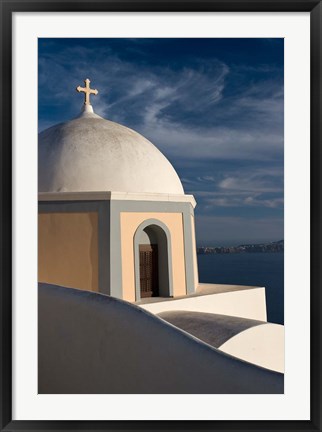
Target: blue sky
pixel 214 107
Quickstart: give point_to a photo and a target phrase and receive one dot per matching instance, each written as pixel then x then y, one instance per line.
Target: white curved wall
pixel 92 343
pixel 262 345
pixel 245 303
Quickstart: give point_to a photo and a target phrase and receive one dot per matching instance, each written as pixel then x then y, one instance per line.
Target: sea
pixel 256 269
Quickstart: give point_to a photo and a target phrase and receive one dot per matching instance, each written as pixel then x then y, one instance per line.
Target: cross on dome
pixel 87 91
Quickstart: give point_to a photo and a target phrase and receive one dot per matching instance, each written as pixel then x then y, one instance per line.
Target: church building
pixel 114 219
pixel 113 215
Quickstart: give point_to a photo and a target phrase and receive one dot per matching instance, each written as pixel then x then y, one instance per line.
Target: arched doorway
pixel 152 260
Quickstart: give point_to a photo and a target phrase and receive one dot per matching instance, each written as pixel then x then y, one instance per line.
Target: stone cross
pixel 87 90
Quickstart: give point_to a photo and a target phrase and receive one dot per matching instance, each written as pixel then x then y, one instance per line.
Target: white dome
pixel 90 153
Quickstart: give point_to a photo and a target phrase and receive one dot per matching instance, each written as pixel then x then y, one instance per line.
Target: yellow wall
pixel 68 249
pixel 129 224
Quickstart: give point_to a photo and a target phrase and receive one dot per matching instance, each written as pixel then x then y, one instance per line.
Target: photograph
pixel 160 215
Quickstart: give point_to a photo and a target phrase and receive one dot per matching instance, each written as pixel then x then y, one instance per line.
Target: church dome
pixel 90 153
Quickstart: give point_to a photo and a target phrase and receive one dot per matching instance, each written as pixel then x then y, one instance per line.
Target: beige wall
pixel 129 224
pixel 68 249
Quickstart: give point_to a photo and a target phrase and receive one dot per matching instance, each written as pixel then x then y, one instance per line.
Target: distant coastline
pixel 247 248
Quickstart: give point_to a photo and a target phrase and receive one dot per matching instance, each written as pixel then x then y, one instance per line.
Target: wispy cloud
pixel 245 188
pixel 257 181
pixel 176 109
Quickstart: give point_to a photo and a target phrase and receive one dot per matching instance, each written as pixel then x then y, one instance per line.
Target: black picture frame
pixel 8 7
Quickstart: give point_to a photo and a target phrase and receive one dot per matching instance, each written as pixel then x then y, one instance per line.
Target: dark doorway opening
pixel 149 274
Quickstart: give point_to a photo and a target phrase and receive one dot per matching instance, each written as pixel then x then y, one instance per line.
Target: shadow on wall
pixel 92 343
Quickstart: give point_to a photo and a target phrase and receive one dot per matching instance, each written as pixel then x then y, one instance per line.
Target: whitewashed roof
pixel 90 153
